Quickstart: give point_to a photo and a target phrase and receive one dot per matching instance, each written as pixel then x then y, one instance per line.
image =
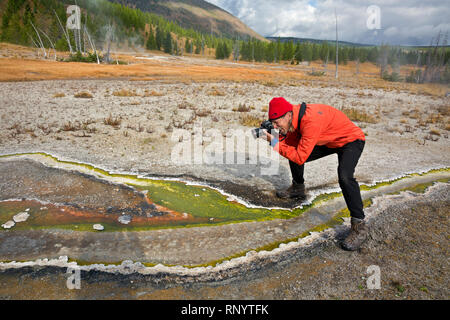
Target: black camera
pixel 266 125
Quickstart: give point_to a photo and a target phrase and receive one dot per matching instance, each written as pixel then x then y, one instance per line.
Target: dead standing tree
pixel 37 46
pixel 40 40
pixel 383 59
pixel 109 38
pixel 325 65
pixel 92 44
pixel 337 46
pixel 66 34
pixel 51 43
pixel 435 63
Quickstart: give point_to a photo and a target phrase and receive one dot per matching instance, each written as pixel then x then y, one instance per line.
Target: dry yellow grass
pixel 242 108
pixel 359 115
pixel 216 92
pixel 435 132
pixel 83 95
pixel 110 121
pixel 125 93
pixel 152 93
pixel 15 69
pixel 249 120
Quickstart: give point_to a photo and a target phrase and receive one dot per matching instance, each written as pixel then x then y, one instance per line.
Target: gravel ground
pixel 33 119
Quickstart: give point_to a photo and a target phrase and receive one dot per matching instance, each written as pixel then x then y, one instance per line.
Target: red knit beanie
pixel 278 108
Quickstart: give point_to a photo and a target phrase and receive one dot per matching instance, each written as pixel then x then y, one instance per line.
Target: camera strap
pixel 300 114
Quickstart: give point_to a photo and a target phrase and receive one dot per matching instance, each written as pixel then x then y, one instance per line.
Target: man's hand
pixel 268 136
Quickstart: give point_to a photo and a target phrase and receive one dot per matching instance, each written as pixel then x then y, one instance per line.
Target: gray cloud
pixel 413 22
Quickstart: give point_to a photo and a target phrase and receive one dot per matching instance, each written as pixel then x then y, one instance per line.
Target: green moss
pixel 419 188
pixel 422 187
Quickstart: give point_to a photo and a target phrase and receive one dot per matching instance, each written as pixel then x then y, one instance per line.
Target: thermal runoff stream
pixel 148 203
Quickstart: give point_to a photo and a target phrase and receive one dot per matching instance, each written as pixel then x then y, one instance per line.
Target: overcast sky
pixel 409 22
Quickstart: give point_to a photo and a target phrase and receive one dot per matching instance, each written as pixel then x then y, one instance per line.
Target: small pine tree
pixel 198 46
pixel 167 43
pixel 219 51
pixel 307 52
pixel 187 46
pixel 151 41
pixel 159 38
pixel 175 48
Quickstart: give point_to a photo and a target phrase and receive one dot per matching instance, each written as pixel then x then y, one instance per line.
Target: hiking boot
pixel 358 234
pixel 296 190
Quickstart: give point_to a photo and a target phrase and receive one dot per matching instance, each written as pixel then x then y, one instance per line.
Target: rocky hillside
pixel 196 14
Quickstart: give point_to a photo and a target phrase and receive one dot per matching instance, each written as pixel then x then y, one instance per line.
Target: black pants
pixel 348 156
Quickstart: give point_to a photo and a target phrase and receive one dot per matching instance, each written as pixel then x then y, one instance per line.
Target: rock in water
pixel 125 219
pixel 21 217
pixel 8 224
pixel 98 227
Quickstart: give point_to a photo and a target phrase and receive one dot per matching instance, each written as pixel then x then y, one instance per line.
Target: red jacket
pixel 321 125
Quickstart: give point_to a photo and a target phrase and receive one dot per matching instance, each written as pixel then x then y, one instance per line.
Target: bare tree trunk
pixel 78 33
pixel 337 46
pixel 384 50
pixel 51 43
pixel 40 40
pixel 435 60
pixel 325 66
pixel 109 36
pixel 417 74
pixel 92 44
pixel 34 42
pixel 66 34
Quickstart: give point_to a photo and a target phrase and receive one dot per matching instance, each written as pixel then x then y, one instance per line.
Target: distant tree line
pixel 435 60
pixel 254 50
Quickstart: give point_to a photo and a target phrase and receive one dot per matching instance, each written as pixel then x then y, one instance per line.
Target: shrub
pixel 110 121
pixel 84 95
pixel 251 121
pixel 216 92
pixel 69 126
pixel 79 57
pixel 414 76
pixel 242 108
pixel 125 93
pixel 316 73
pixel 202 113
pixel 358 115
pixel 152 93
pixel 393 77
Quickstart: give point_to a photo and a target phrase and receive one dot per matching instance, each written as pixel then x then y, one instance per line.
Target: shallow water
pixel 159 204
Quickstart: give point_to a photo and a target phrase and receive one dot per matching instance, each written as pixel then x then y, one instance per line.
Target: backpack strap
pixel 300 114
